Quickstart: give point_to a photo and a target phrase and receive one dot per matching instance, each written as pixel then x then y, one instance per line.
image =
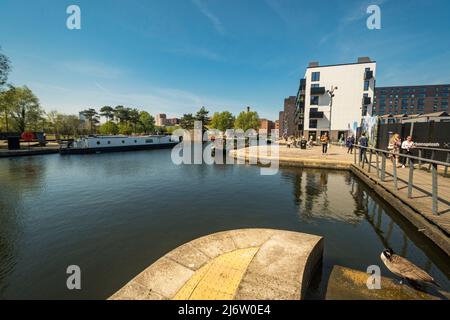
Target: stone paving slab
pixel 238 264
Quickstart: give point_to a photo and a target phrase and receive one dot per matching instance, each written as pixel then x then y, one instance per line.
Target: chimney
pixel 313 64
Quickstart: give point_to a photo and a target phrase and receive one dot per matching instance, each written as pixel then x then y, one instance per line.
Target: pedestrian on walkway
pixel 364 143
pixel 407 145
pixel 350 143
pixel 324 140
pixel 394 147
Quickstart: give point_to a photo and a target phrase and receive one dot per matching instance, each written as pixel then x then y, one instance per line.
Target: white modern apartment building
pixel 354 87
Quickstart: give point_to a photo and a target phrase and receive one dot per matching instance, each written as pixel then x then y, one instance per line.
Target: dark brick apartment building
pixel 411 99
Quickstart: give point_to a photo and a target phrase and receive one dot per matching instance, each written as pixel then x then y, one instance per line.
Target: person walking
pixel 394 147
pixel 324 140
pixel 350 143
pixel 364 143
pixel 407 145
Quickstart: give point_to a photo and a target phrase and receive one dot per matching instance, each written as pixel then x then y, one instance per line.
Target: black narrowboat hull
pixel 64 151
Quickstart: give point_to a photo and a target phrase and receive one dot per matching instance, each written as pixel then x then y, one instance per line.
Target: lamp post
pixel 331 93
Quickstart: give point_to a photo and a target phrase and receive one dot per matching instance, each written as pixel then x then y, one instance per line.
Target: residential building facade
pixel 265 124
pixel 354 90
pixel 288 126
pixel 160 119
pixel 411 99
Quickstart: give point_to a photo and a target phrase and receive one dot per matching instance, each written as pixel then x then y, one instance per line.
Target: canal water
pixel 115 214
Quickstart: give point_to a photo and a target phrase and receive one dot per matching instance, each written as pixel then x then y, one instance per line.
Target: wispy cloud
pixel 91 69
pixel 194 51
pixel 217 24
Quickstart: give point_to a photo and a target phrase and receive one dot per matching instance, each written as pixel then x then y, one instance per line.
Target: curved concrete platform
pixel 247 264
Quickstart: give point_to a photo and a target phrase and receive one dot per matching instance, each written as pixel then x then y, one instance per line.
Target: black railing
pixel 317 90
pixel 380 168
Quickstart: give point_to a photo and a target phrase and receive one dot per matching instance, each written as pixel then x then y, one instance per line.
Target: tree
pixel 134 118
pixel 122 113
pixel 247 120
pixel 187 121
pixel 6 102
pixel 109 128
pixel 146 122
pixel 202 115
pixel 222 121
pixel 25 109
pixel 107 112
pixel 125 128
pixel 5 68
pixel 92 116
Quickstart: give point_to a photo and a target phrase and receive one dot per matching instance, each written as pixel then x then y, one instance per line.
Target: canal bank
pixel 415 210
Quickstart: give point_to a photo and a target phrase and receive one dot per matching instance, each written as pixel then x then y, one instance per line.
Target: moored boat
pixel 101 144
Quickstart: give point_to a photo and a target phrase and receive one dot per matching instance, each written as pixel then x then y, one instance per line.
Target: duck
pixel 405 269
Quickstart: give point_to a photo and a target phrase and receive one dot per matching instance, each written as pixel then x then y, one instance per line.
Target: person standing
pixel 350 143
pixel 324 140
pixel 407 145
pixel 364 143
pixel 394 147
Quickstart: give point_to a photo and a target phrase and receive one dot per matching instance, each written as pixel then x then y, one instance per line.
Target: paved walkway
pixel 248 264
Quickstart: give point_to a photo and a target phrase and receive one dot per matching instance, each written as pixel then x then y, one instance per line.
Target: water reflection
pixel 114 214
pixel 19 179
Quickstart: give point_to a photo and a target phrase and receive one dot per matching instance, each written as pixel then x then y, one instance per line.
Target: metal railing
pixel 380 166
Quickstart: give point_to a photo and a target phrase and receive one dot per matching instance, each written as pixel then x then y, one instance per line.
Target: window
pixel 314 110
pixel 315 76
pixel 98 142
pixel 315 85
pixel 314 100
pixel 366 85
pixel 123 141
pixel 135 141
pixel 109 142
pixel 313 124
pixel 149 141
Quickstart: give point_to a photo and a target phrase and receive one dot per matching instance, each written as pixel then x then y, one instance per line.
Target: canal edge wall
pixel 281 267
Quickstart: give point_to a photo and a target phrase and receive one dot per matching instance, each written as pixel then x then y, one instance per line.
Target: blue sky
pixel 168 56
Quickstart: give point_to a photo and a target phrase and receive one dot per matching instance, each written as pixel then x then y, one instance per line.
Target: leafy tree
pixel 222 121
pixel 134 118
pixel 25 109
pixel 92 117
pixel 122 113
pixel 109 127
pixel 247 120
pixel 6 102
pixel 202 115
pixel 5 68
pixel 187 121
pixel 146 122
pixel 125 128
pixel 107 112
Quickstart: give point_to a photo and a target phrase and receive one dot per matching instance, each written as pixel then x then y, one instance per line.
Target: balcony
pixel 316 115
pixel 368 75
pixel 367 101
pixel 317 91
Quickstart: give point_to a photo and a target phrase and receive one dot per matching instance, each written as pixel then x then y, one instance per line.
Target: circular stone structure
pixel 247 264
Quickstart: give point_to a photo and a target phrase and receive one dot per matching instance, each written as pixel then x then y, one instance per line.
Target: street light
pixel 331 93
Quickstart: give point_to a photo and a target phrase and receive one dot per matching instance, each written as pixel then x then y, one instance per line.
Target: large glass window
pixel 366 85
pixel 314 100
pixel 315 76
pixel 313 124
